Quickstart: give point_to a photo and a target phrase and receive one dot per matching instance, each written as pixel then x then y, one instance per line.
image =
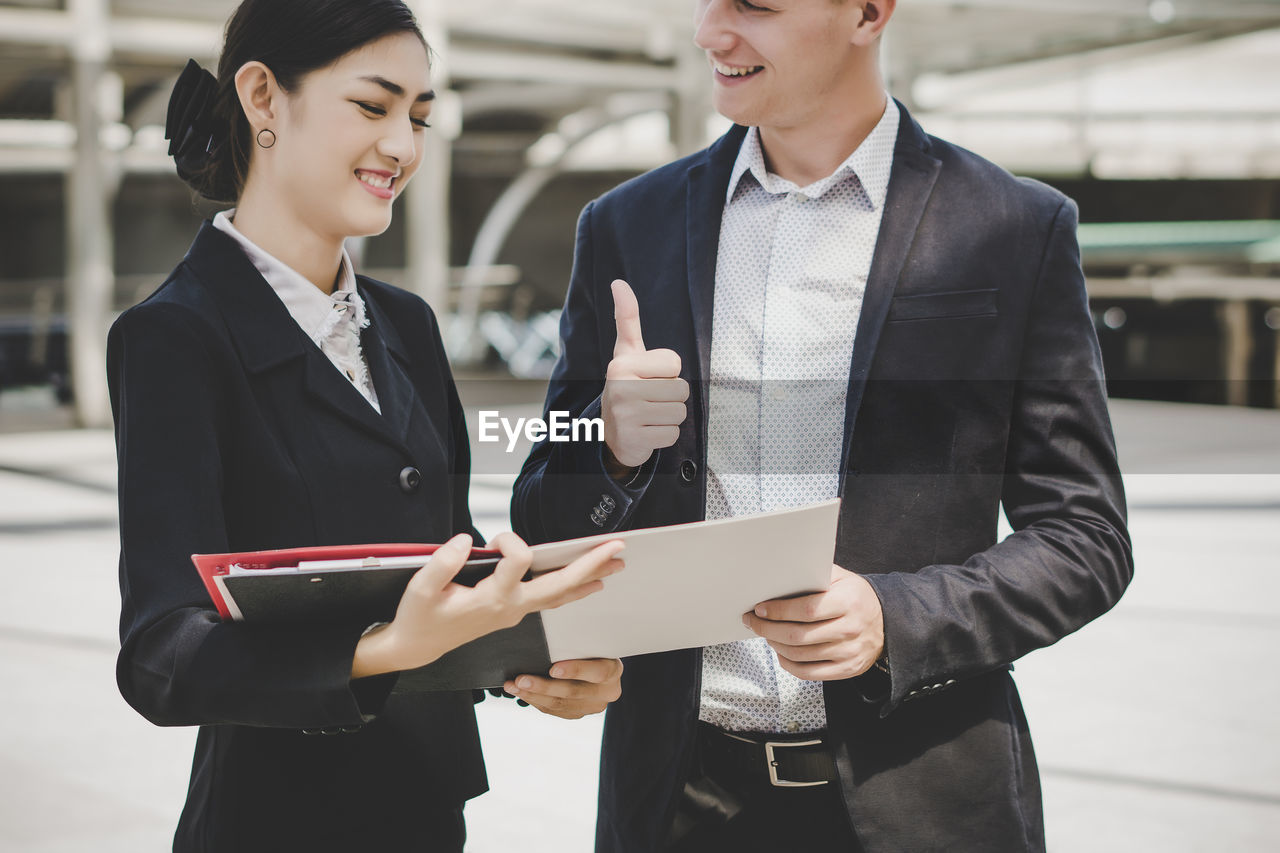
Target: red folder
pixel 211 566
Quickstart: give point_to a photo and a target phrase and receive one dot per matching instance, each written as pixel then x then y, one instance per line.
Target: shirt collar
pixel 876 149
pixel 309 306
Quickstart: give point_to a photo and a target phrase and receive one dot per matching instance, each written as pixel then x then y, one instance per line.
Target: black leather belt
pixel 766 759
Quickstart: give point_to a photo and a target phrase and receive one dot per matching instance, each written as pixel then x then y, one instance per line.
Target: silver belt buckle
pixel 772 762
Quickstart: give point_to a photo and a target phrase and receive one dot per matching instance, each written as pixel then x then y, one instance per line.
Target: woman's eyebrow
pixel 398 90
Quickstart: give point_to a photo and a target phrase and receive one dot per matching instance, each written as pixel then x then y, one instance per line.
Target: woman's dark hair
pixel 211 137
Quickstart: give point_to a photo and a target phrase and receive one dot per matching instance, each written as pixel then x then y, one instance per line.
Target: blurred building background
pixel 1154 728
pixel 1161 117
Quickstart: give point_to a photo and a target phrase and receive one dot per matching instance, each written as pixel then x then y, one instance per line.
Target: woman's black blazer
pixel 234 432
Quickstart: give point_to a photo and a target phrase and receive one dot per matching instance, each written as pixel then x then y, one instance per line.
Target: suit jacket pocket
pixel 939 306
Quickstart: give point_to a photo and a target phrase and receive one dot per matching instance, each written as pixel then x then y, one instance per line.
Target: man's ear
pixel 875 16
pixel 259 94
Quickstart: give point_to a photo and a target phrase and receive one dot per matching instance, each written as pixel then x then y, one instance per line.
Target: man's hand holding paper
pixel 827 636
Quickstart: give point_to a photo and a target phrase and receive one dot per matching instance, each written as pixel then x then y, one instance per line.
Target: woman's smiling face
pixel 349 137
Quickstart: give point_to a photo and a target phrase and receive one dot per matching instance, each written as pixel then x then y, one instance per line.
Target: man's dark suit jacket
pixel 975 381
pixel 234 432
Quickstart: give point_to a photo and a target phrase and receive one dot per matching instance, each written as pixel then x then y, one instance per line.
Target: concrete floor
pixel 1156 727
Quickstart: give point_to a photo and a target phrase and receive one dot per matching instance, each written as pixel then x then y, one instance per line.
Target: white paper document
pixel 688 585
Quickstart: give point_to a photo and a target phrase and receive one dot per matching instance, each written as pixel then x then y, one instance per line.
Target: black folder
pixel 364 595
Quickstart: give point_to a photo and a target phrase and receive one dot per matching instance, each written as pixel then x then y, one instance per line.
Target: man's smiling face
pixel 778 63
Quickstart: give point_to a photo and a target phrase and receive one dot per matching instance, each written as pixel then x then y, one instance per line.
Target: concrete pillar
pixel 427 224
pixel 897 77
pixel 90 261
pixel 691 102
pixel 426 206
pixel 1273 323
pixel 1237 349
pixel 1275 372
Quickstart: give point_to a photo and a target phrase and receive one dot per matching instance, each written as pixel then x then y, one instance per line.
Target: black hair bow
pixel 193 134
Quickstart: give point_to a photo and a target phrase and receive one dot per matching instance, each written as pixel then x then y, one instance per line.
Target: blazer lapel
pixel 331 390
pixel 264 332
pixel 910 184
pixel 267 336
pixel 708 183
pixel 385 352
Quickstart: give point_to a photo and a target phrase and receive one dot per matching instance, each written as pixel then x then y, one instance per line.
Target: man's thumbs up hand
pixel 626 313
pixel 644 397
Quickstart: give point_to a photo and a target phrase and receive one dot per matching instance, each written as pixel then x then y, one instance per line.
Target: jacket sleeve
pixel 1069 558
pixel 179 664
pixel 564 491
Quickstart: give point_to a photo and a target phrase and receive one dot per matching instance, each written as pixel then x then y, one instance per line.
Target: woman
pixel 267 397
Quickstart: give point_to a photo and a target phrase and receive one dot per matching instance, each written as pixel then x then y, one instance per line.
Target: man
pixel 828 301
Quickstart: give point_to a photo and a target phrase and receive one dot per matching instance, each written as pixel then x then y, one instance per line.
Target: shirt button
pixel 792 727
pixel 800 198
pixel 688 470
pixel 410 479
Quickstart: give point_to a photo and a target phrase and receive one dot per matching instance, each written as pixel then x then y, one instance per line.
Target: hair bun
pixel 192 131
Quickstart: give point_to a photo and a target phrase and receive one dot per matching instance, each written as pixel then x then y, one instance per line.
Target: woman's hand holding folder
pixel 435 615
